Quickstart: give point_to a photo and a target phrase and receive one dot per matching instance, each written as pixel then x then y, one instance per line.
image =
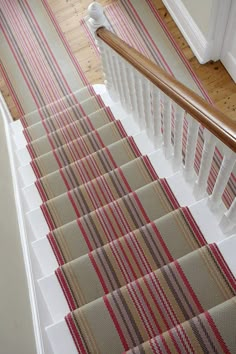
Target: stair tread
pixel 142 308
pixel 69 114
pixel 121 152
pixel 88 143
pixel 58 106
pixel 99 192
pixel 130 257
pixel 112 221
pixel 70 131
pixel 213 322
pixel 86 169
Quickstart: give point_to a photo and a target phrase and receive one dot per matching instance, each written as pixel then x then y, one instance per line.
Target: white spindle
pixel 167 145
pixel 114 87
pixel 193 127
pixel 178 136
pixel 156 106
pixel 132 90
pixel 222 178
pixel 105 66
pixel 205 165
pixel 228 221
pixel 139 100
pixel 119 78
pixel 147 107
pixel 127 87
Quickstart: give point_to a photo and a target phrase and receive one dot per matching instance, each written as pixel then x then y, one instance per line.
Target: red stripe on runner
pixel 217 333
pixel 55 248
pixel 79 223
pixel 75 334
pixel 116 323
pixel 141 208
pixel 97 270
pixel 35 168
pixel 73 204
pixel 169 193
pixel 223 265
pixel 194 226
pixel 47 216
pixel 66 289
pixel 41 191
pixel 188 286
pixel 150 167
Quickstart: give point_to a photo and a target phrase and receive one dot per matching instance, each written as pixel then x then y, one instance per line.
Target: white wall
pixel 200 11
pixel 16 327
pixel 228 55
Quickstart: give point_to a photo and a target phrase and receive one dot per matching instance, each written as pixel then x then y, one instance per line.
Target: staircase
pixel 125 250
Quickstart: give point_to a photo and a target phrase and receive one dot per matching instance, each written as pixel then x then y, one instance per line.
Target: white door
pixel 228 53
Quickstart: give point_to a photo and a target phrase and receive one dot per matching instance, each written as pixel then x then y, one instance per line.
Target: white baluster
pixel 205 166
pixel 147 107
pixel 228 221
pixel 110 60
pixel 105 66
pixel 193 127
pixel 178 136
pixel 156 106
pixel 139 100
pixel 126 87
pixel 167 145
pixel 119 78
pixel 132 90
pixel 222 178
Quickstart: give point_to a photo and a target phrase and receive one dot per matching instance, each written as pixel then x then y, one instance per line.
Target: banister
pixel 209 116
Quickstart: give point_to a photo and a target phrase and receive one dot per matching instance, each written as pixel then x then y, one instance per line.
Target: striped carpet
pixel 134 267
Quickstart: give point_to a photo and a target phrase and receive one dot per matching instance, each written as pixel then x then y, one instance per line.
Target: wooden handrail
pixel 210 117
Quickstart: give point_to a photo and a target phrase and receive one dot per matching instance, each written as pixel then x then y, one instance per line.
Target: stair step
pixel 112 221
pixel 82 146
pixel 145 303
pixel 213 322
pixel 111 185
pixel 106 159
pixel 122 261
pixel 58 106
pixel 61 328
pixel 95 194
pixel 71 131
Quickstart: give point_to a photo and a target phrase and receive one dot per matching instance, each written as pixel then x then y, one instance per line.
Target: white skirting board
pixel 40 316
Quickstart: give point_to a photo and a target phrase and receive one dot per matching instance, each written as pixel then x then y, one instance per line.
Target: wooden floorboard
pixel 213 75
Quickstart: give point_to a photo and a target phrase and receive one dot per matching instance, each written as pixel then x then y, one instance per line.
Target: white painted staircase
pixel 48 303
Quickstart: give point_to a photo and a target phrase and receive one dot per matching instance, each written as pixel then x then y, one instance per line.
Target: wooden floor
pixel 213 75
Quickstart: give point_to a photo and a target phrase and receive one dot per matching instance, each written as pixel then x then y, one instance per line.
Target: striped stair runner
pixel 153 304
pixel 127 252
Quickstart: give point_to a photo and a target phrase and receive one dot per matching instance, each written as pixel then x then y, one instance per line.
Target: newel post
pixel 96 15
